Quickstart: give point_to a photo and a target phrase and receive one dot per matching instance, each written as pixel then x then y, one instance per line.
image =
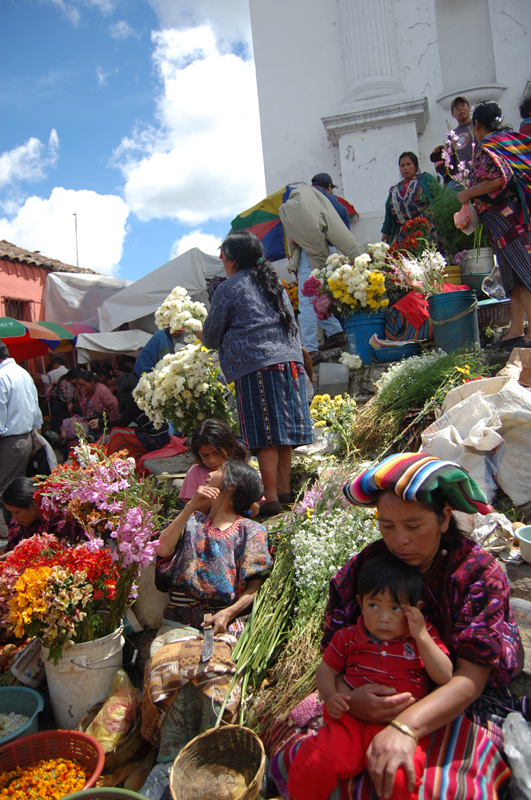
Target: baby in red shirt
pixel 391 645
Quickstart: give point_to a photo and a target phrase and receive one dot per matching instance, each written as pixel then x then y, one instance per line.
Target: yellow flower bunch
pixel 375 290
pixel 336 414
pixel 29 597
pixel 52 779
pixel 340 291
pixel 293 293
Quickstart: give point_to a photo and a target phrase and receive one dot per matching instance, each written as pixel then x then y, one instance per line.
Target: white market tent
pixel 94 346
pixel 77 297
pixel 137 303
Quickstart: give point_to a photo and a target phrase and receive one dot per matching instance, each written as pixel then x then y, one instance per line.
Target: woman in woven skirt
pixel 251 321
pixel 500 183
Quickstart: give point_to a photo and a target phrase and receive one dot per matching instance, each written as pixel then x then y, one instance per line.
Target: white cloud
pixel 72 8
pixel 228 19
pixel 102 76
pixel 122 29
pixel 204 159
pixel 48 225
pixel 29 161
pixel 205 241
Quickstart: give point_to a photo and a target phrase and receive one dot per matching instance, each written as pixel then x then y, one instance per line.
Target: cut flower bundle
pixel 344 287
pixel 179 313
pixel 184 389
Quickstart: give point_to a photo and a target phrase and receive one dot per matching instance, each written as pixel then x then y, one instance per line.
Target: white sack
pixel 511 404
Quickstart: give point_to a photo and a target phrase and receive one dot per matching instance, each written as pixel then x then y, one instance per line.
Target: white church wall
pixel 332 99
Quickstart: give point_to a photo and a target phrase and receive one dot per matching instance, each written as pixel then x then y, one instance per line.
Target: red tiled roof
pixel 10 252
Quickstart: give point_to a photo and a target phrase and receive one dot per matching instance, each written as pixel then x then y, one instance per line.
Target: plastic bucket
pixel 455 320
pixel 82 677
pixel 22 701
pixel 149 605
pixel 452 274
pixel 478 263
pixel 359 328
pixel 333 378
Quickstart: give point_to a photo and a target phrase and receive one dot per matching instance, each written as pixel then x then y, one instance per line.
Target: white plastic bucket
pixel 82 677
pixel 149 606
pixel 478 263
pixel 333 378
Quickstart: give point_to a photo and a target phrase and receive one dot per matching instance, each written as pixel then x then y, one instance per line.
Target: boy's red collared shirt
pixel 362 659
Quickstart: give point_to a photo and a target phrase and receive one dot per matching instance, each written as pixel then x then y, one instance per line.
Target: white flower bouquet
pixel 183 388
pixel 178 312
pixel 425 273
pixel 344 287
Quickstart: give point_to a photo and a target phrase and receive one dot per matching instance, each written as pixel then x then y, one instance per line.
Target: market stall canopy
pixel 27 339
pixel 138 302
pixel 263 220
pixel 93 346
pixel 76 298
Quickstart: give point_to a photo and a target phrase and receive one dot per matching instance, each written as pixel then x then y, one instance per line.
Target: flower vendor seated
pixel 411 197
pixel 18 498
pixel 466 596
pixel 96 400
pixel 212 444
pixel 390 644
pixel 145 437
pixel 213 559
pixel 251 321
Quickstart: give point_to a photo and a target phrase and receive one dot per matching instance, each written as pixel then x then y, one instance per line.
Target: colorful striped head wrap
pixel 415 477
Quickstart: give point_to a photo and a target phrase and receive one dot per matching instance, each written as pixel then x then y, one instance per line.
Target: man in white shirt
pixel 19 414
pixel 58 369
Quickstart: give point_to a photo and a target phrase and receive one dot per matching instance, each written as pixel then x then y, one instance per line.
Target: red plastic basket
pixel 28 750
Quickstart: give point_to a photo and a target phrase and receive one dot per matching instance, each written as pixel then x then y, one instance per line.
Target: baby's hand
pixel 416 621
pixel 337 705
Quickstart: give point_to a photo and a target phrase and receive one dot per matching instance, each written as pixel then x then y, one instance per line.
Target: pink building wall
pixel 23 282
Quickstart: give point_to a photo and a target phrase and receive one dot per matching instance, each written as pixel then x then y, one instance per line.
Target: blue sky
pixel 140 117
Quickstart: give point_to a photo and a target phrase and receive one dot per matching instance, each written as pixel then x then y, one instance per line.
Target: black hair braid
pixel 246 250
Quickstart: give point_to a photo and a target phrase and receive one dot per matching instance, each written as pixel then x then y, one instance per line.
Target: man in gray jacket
pixel 313 223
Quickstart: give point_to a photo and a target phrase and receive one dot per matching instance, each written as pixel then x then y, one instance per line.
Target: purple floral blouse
pixel 466 597
pixel 211 564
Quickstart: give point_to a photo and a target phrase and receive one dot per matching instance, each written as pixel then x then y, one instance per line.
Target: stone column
pixel 369 43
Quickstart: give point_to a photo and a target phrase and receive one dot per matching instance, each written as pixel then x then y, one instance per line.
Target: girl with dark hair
pixel 500 189
pixel 251 321
pixel 64 395
pixel 26 522
pixel 213 560
pixel 212 444
pixel 409 198
pixel 144 438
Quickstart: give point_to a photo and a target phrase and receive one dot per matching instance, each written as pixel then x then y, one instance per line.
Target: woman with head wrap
pixel 466 596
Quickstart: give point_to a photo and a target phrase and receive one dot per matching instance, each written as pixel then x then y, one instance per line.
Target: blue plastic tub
pixel 455 320
pixel 359 328
pixel 24 701
pixel 385 354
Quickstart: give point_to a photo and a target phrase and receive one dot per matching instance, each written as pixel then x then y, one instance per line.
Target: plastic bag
pixel 113 722
pixel 466 219
pixel 492 284
pixel 157 785
pixel 517 747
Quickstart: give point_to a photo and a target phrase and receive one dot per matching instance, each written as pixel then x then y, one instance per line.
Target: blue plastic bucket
pixel 454 318
pixel 22 701
pixel 359 328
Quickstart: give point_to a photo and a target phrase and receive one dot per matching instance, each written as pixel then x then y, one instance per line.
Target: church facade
pixel 345 86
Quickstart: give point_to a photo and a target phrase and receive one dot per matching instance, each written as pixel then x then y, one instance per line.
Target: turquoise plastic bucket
pixel 24 701
pixel 454 318
pixel 359 328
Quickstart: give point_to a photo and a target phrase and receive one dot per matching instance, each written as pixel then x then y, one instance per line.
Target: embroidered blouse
pixel 487 167
pixel 466 596
pixel 211 564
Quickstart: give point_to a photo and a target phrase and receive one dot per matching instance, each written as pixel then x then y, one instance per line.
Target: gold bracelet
pixel 404 729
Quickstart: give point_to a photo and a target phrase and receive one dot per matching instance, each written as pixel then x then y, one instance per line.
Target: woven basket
pixel 126 748
pixel 497 312
pixel 54 744
pixel 222 764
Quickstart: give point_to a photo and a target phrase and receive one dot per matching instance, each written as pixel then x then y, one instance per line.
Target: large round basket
pixel 54 744
pixel 222 764
pixel 126 748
